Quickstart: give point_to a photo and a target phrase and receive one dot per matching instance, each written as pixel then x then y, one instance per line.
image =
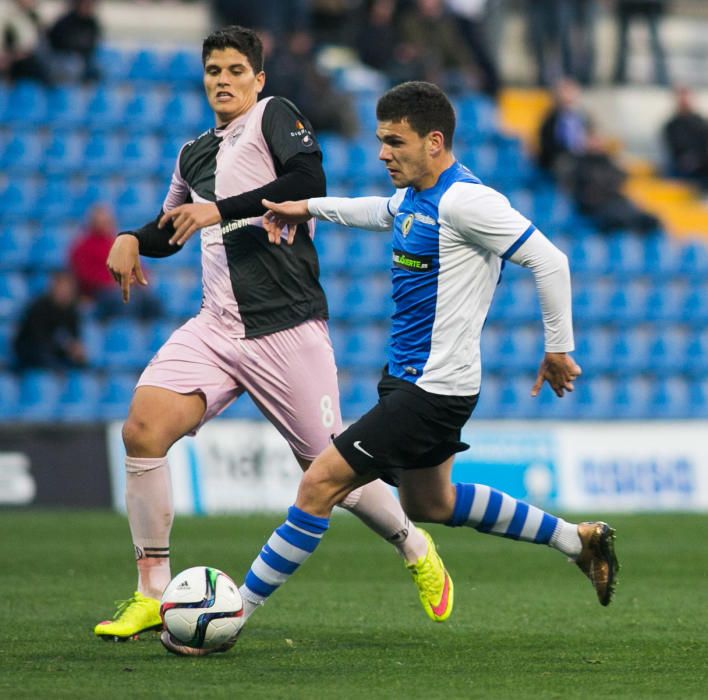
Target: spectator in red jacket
pixel 88 263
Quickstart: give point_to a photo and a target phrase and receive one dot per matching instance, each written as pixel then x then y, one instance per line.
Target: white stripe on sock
pixel 479 504
pixel 534 516
pixel 506 513
pixel 304 532
pixel 286 550
pixel 267 573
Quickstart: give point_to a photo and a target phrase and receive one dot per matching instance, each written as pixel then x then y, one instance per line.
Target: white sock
pixel 566 539
pixel 376 507
pixel 148 497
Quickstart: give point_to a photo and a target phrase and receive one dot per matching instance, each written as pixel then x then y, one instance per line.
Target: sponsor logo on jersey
pixel 423 218
pixel 233 225
pixel 412 263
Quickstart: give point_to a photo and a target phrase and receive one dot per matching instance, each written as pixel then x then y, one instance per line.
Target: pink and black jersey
pixel 251 286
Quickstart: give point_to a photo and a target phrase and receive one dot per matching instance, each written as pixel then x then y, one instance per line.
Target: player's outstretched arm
pixel 189 218
pixel 284 214
pixel 559 370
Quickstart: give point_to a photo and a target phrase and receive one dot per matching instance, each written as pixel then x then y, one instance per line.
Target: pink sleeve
pixel 179 189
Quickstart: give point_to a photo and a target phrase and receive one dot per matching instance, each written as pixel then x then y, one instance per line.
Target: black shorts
pixel 409 428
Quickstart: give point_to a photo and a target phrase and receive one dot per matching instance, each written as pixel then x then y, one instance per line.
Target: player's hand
pixel 188 218
pixel 559 370
pixel 123 263
pixel 284 214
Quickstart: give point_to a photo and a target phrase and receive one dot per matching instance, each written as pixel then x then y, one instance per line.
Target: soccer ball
pixel 202 608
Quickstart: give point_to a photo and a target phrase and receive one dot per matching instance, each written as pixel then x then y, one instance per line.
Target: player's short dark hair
pixel 244 40
pixel 423 105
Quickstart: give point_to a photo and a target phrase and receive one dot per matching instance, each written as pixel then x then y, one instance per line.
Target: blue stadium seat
pixel 515 300
pixel 102 154
pixel 695 306
pixel 368 251
pixel 139 201
pixel 140 156
pixel 628 302
pixel 39 395
pixel 67 106
pixel 515 400
pixel 113 64
pixel 145 111
pixel 364 348
pixel 332 247
pixel 594 397
pixel 698 397
pixel 157 334
pixel 105 108
pixel 50 249
pixel 336 289
pixel 26 105
pixel 7 333
pixel 662 256
pixel 15 243
pixel 591 299
pixel 520 349
pixel 184 67
pixel 79 396
pixel 626 253
pixel 37 282
pixel 23 153
pixel 64 153
pixel 96 191
pixel 670 398
pixel 476 117
pixel 632 397
pixel 243 408
pixel 180 291
pixel 357 393
pixel 363 164
pixel 488 404
pixel 492 358
pixel 335 156
pixel 10 392
pixel 550 406
pixel 116 394
pixel 184 114
pixel 18 200
pixel 13 294
pixel 124 345
pixel 147 66
pixel 593 348
pixel 589 254
pixel 696 364
pixel 369 298
pixel 630 350
pixel 665 302
pixel 169 150
pixel 57 200
pixel 92 338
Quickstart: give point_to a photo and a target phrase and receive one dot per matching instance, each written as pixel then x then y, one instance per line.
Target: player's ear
pixel 436 143
pixel 260 81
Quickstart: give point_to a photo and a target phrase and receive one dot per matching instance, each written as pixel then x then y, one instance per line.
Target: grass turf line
pixel 349 625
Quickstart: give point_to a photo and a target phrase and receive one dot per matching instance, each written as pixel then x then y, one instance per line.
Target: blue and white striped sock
pixel 287 548
pixel 491 511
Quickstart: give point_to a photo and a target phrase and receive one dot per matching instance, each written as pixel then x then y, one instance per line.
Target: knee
pixel 139 439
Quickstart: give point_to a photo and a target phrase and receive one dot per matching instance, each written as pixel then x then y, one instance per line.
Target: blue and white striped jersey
pixel 449 242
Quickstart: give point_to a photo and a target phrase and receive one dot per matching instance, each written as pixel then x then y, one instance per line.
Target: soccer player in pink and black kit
pixel 261 328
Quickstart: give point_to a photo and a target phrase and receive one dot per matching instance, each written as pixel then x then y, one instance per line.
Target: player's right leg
pixel 157 418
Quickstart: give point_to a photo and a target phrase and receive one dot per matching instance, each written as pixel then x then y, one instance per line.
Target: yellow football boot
pixel 434 584
pixel 133 616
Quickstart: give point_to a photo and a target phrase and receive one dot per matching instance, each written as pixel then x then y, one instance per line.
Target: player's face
pixel 231 85
pixel 404 153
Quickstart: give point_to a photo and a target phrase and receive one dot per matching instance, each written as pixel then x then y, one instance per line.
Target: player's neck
pixel 439 166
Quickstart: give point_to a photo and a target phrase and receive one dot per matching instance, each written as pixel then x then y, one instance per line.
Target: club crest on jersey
pixel 406 225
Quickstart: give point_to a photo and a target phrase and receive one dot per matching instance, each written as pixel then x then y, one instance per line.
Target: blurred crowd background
pixel 590 115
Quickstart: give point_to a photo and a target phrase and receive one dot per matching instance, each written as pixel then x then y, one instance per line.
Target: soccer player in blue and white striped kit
pixel 451 235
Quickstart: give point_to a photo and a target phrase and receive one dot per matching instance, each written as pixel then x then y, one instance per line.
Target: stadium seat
pixel 335 155
pixel 695 305
pixel 147 66
pixel 102 154
pixel 368 252
pixel 145 111
pixel 363 164
pixel 124 345
pixel 140 156
pixel 357 393
pixel 50 249
pixel 332 247
pixel 157 334
pixel 591 299
pixel 369 298
pixel 515 400
pixel 95 191
pixel 56 201
pixel 670 398
pixel 115 395
pixel 184 114
pixel 23 153
pixel 589 254
pixel 626 254
pixel 628 302
pixel 243 408
pixel 696 354
pixel 7 333
pixel 476 116
pixel 180 291
pixel 515 299
pixel 18 200
pixel 182 68
pixel 630 350
pixel 139 201
pixel 594 397
pixel 105 108
pixel 64 153
pixel 632 397
pixel 67 106
pixel 665 301
pixel 15 244
pixel 13 294
pixel 26 105
pixel 39 395
pixel 662 256
pixel 593 348
pixel 79 394
pixel 113 64
pixel 364 348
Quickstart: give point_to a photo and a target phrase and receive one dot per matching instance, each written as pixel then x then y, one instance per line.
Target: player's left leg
pixel 429 496
pixel 292 377
pixel 328 480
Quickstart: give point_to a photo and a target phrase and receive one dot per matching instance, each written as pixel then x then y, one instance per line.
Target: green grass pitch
pixel 348 625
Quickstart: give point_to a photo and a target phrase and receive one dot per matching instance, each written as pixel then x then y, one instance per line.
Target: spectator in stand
pixel 87 259
pixel 595 181
pixel 48 336
pixel 23 52
pixel 651 11
pixel 431 36
pixel 294 74
pixel 561 35
pixel 686 139
pixel 564 130
pixel 273 16
pixel 74 38
pixel 470 18
pixel 335 21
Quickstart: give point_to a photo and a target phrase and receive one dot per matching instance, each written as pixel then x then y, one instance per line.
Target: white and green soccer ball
pixel 202 608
